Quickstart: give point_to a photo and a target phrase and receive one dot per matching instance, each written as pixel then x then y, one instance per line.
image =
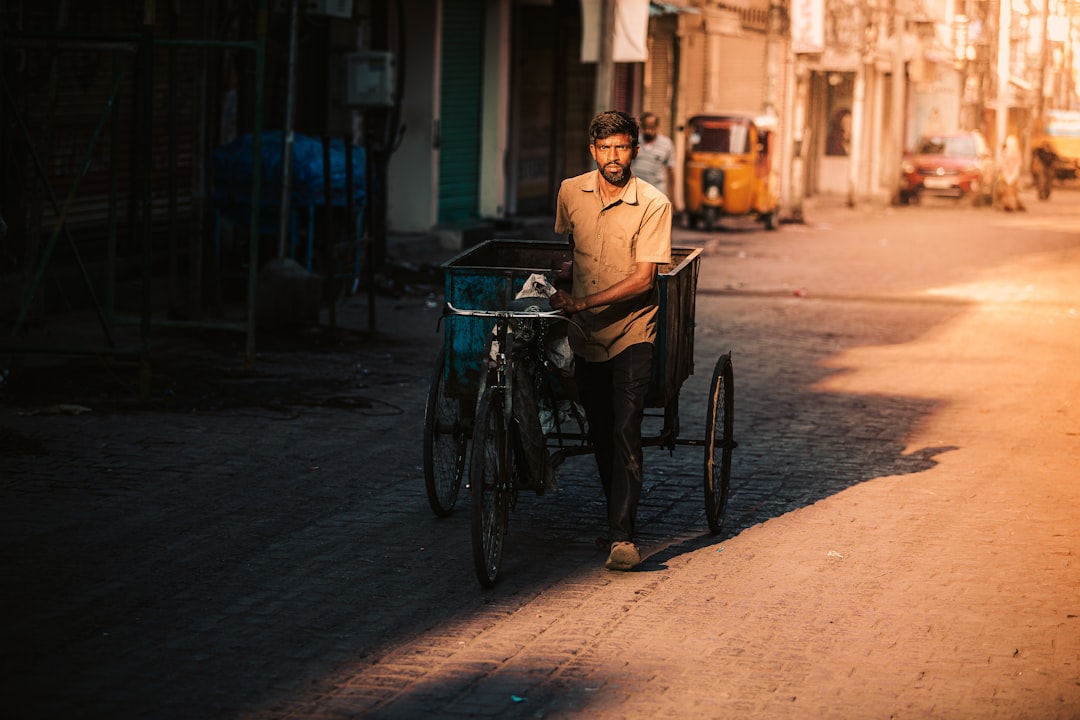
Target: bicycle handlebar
pixel 507 314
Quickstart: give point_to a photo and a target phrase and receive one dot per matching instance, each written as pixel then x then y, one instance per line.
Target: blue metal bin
pixel 488 276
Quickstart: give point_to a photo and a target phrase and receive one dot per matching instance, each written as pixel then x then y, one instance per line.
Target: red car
pixel 954 165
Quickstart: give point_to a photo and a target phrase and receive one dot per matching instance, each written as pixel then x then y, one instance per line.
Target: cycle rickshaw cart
pixel 480 424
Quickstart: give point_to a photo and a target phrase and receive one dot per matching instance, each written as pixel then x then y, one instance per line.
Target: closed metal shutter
pixel 743 72
pixel 534 88
pixel 626 81
pixel 693 51
pixel 740 68
pixel 659 91
pixel 460 109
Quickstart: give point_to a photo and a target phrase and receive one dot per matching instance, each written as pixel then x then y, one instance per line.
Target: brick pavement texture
pixel 902 538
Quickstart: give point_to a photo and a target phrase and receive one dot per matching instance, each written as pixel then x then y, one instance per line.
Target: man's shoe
pixel 624 556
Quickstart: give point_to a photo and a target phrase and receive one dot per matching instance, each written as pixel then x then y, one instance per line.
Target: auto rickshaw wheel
pixel 771 220
pixel 711 218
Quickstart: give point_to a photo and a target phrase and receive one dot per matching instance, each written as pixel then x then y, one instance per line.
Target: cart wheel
pixel 489 479
pixel 446 441
pixel 719 443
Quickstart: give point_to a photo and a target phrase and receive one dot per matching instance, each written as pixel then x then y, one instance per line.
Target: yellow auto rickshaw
pixel 727 170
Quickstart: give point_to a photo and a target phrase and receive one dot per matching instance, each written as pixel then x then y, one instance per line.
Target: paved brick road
pixel 901 542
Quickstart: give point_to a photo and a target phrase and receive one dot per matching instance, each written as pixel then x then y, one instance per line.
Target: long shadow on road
pixel 268 562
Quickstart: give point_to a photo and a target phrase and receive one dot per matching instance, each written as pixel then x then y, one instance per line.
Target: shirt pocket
pixel 617 256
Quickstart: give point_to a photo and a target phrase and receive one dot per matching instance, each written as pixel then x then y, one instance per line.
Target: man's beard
pixel 616 178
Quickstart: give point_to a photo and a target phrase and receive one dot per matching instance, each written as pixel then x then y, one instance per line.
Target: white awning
pixel 656 7
pixel 1020 83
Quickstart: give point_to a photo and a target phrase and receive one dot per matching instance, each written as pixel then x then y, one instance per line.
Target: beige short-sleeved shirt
pixel 608 244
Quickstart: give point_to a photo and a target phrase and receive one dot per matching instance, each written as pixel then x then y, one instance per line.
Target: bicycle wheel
pixel 489 480
pixel 446 442
pixel 719 443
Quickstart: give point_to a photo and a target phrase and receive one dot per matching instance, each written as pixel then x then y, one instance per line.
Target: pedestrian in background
pixel 1043 160
pixel 619 228
pixel 1011 164
pixel 655 161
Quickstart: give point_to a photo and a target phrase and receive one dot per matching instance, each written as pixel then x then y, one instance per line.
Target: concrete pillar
pixel 774 58
pixel 1002 112
pixel 858 132
pixel 801 139
pixel 895 143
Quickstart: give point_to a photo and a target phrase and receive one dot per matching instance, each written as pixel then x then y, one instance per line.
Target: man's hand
pixel 641 281
pixel 566 302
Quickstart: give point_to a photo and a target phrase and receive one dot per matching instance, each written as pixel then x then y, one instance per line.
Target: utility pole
pixel 605 66
pixel 899 86
pixel 1044 57
pixel 858 132
pixel 287 132
pixel 1002 112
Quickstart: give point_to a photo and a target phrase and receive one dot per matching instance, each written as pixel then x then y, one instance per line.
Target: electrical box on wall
pixel 331 8
pixel 326 8
pixel 369 79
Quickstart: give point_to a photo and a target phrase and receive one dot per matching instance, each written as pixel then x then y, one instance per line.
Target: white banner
pixel 808 26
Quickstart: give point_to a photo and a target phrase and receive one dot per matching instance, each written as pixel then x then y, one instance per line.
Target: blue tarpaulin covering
pixel 233 166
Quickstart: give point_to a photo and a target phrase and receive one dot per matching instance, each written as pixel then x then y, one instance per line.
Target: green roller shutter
pixel 461 92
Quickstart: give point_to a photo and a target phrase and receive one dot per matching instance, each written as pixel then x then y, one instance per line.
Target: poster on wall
pixel 934 107
pixel 838 133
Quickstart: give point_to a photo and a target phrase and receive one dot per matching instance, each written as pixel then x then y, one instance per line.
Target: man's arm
pixel 641 281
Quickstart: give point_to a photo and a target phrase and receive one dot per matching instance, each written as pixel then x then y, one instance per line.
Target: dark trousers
pixel 613 395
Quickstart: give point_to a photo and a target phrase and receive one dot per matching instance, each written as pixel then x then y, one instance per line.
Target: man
pixel 655 161
pixel 620 230
pixel 1043 160
pixel 1009 185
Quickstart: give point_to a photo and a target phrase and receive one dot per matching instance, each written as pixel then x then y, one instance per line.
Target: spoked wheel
pixel 719 443
pixel 489 479
pixel 446 441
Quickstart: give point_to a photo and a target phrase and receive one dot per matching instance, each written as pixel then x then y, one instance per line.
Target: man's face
pixel 613 156
pixel 649 126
